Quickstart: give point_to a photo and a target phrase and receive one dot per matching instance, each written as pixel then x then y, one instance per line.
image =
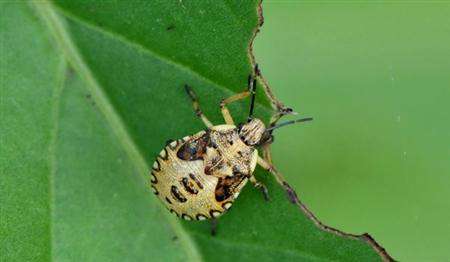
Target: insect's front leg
pixel 250 91
pixel 281 113
pixel 223 105
pixel 261 187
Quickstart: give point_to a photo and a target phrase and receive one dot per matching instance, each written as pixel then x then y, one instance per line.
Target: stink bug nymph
pixel 199 176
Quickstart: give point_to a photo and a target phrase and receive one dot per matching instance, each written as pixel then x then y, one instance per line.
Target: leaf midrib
pixel 56 27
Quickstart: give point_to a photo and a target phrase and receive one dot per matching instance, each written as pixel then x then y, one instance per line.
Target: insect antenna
pixel 270 129
pixel 252 101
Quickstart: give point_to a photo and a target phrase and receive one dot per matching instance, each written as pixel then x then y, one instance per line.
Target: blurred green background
pixel 376 78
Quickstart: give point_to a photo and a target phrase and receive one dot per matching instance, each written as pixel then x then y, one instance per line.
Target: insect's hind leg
pixel 196 106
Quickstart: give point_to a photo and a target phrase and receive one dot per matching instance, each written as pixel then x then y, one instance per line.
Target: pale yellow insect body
pixel 198 177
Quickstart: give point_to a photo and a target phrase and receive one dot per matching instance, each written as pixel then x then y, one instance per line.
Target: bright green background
pixel 376 78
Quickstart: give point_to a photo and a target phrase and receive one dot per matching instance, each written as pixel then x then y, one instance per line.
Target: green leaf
pixel 90 94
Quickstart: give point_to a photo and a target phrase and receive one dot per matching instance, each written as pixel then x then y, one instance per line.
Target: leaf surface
pixel 110 78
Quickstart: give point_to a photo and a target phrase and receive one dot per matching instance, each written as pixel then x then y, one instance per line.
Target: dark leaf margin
pixel 282 110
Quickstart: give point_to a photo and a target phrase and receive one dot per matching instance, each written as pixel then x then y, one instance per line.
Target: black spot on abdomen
pixel 176 194
pixel 189 186
pixel 168 200
pixel 196 180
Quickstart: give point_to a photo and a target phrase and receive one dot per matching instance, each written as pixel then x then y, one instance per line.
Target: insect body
pixel 198 177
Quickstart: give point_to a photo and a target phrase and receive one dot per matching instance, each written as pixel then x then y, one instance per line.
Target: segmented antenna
pixel 289 123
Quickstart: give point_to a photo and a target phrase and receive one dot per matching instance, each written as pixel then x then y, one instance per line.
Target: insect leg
pixel 196 106
pixel 266 163
pixel 223 105
pixel 274 119
pixel 261 187
pixel 251 86
pixel 269 167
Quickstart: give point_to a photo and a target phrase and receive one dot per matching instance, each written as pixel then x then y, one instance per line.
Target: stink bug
pixel 199 176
